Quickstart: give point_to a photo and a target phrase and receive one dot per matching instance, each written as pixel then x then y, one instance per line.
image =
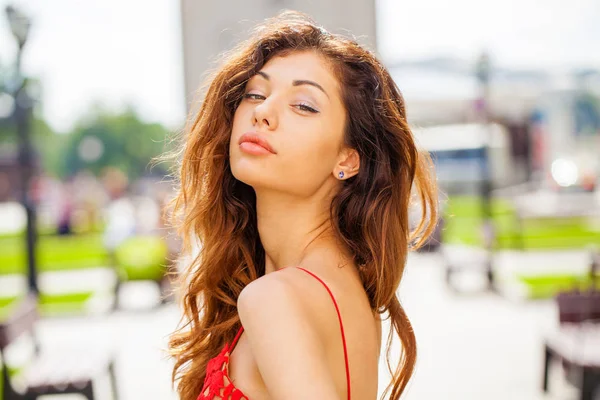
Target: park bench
pixel 64 373
pixel 576 343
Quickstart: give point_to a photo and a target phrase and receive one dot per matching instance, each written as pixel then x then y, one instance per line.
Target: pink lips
pixel 252 143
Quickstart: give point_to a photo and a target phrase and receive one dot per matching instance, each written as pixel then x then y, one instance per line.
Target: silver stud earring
pixel 341 175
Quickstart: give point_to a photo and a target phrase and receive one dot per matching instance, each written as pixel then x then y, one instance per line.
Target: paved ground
pixel 475 346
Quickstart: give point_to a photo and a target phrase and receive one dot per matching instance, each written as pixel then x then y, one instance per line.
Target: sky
pixel 116 52
pixel 119 52
pixel 518 33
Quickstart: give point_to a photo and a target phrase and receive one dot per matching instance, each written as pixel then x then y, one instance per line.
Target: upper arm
pixel 284 339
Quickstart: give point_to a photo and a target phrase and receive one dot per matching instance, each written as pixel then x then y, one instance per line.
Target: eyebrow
pixel 298 82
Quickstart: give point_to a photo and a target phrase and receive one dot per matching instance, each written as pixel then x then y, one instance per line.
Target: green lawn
pixel 50 304
pixel 463 221
pixel 55 253
pixel 138 258
pixel 142 258
pixel 545 286
pixel 7 304
pixel 463 218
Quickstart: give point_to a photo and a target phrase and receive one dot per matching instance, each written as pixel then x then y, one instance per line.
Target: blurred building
pixel 567 122
pixel 212 27
pixel 550 115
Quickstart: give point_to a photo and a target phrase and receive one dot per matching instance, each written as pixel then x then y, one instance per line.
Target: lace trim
pixel 217 384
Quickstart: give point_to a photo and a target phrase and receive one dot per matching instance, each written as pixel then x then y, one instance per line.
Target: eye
pixel 305 107
pixel 254 96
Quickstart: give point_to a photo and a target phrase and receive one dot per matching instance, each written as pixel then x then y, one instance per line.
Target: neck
pixel 290 227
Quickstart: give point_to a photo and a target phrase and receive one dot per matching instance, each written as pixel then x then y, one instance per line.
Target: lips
pixel 256 141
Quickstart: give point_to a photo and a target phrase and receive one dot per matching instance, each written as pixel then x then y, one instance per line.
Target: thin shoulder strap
pixel 237 337
pixel 337 309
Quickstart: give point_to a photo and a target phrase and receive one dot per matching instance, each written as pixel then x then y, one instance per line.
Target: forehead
pixel 302 65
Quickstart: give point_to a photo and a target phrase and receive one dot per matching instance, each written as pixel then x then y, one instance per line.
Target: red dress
pixel 218 385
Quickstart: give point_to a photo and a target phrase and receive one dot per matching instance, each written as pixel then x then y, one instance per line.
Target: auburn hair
pixel 370 214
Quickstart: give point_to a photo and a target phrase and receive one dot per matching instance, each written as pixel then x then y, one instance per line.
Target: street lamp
pixel 482 72
pixel 19 25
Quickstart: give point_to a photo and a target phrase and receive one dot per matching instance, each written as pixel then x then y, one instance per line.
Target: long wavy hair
pixel 370 214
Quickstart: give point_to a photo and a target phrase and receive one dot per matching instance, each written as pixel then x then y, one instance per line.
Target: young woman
pixel 295 181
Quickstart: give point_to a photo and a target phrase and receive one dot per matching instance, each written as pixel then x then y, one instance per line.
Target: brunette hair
pixel 370 214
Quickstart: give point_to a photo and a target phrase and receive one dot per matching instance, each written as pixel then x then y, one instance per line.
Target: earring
pixel 341 175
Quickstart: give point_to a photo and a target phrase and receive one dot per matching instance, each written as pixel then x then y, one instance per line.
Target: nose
pixel 265 115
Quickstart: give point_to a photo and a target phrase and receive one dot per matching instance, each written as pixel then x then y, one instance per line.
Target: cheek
pixel 238 117
pixel 238 128
pixel 322 143
pixel 312 156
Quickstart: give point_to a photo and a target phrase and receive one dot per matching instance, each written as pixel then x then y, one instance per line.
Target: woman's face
pixel 292 106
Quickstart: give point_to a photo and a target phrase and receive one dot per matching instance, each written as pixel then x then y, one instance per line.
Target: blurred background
pixel 504 95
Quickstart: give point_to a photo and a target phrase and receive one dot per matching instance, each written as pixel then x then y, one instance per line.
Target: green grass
pixel 7 305
pixel 138 258
pixel 64 303
pixel 49 303
pixel 463 221
pixel 55 253
pixel 142 258
pixel 546 286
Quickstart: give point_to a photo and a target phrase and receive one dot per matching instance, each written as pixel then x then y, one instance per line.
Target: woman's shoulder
pixel 293 292
pixel 269 291
pixel 278 293
pixel 285 334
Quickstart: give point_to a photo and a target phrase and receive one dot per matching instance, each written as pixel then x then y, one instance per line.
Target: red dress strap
pixel 237 337
pixel 337 309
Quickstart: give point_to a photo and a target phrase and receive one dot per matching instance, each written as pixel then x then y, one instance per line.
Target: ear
pixel 348 163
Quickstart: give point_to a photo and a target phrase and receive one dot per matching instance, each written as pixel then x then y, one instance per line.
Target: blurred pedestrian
pixel 66 208
pixel 120 211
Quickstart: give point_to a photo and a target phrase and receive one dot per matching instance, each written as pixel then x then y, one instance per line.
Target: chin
pixel 248 172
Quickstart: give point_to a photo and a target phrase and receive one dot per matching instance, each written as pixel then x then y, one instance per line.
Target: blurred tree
pixel 48 145
pixel 118 140
pixel 45 144
pixel 100 140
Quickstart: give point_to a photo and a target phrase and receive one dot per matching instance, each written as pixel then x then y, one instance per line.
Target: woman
pixel 296 179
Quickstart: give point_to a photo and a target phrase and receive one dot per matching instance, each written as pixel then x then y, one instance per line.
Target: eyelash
pixel 301 106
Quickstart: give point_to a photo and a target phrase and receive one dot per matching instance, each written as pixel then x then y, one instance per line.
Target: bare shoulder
pixel 285 338
pixel 294 333
pixel 276 295
pixel 301 294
